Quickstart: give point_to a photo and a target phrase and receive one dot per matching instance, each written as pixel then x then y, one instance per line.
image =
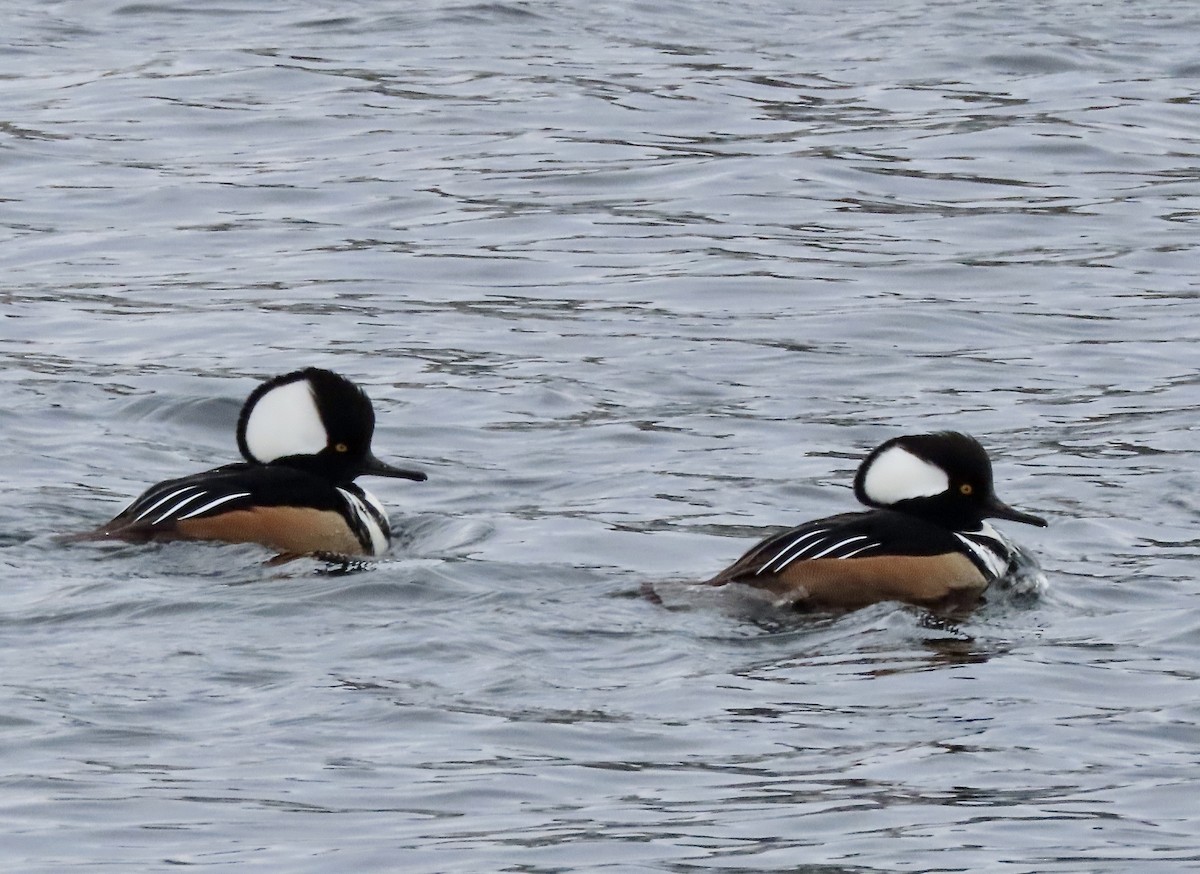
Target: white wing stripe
pixel 160 502
pixel 861 549
pixel 179 506
pixel 218 502
pixel 803 537
pixel 834 548
pixel 839 545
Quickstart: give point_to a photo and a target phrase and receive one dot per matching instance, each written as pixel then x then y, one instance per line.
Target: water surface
pixel 635 286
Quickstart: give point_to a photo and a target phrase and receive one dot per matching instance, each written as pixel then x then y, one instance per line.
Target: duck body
pixel 279 507
pixel 306 437
pixel 855 559
pixel 926 542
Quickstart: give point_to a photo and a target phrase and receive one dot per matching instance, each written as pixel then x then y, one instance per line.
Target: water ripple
pixel 636 285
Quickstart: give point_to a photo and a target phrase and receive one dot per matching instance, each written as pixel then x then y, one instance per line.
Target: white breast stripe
pixel 380 513
pixel 989 556
pixel 162 501
pixel 379 539
pixel 987 531
pixel 218 502
pixel 799 540
pixel 179 506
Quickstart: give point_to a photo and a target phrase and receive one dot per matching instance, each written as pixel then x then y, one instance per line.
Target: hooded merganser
pixel 305 436
pixel 925 543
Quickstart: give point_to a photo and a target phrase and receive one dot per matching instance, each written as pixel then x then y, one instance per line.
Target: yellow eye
pixel 341 447
pixel 966 488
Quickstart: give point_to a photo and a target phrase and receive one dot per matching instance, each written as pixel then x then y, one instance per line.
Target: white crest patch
pixel 896 475
pixel 285 422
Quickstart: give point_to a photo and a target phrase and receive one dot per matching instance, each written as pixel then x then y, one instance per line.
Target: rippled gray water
pixel 635 286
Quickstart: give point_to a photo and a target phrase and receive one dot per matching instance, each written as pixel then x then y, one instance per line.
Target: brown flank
pixel 950 580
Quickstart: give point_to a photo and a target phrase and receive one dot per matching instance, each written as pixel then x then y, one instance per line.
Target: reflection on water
pixel 634 285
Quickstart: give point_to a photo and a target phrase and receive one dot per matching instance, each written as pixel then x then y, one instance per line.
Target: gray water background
pixel 636 284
